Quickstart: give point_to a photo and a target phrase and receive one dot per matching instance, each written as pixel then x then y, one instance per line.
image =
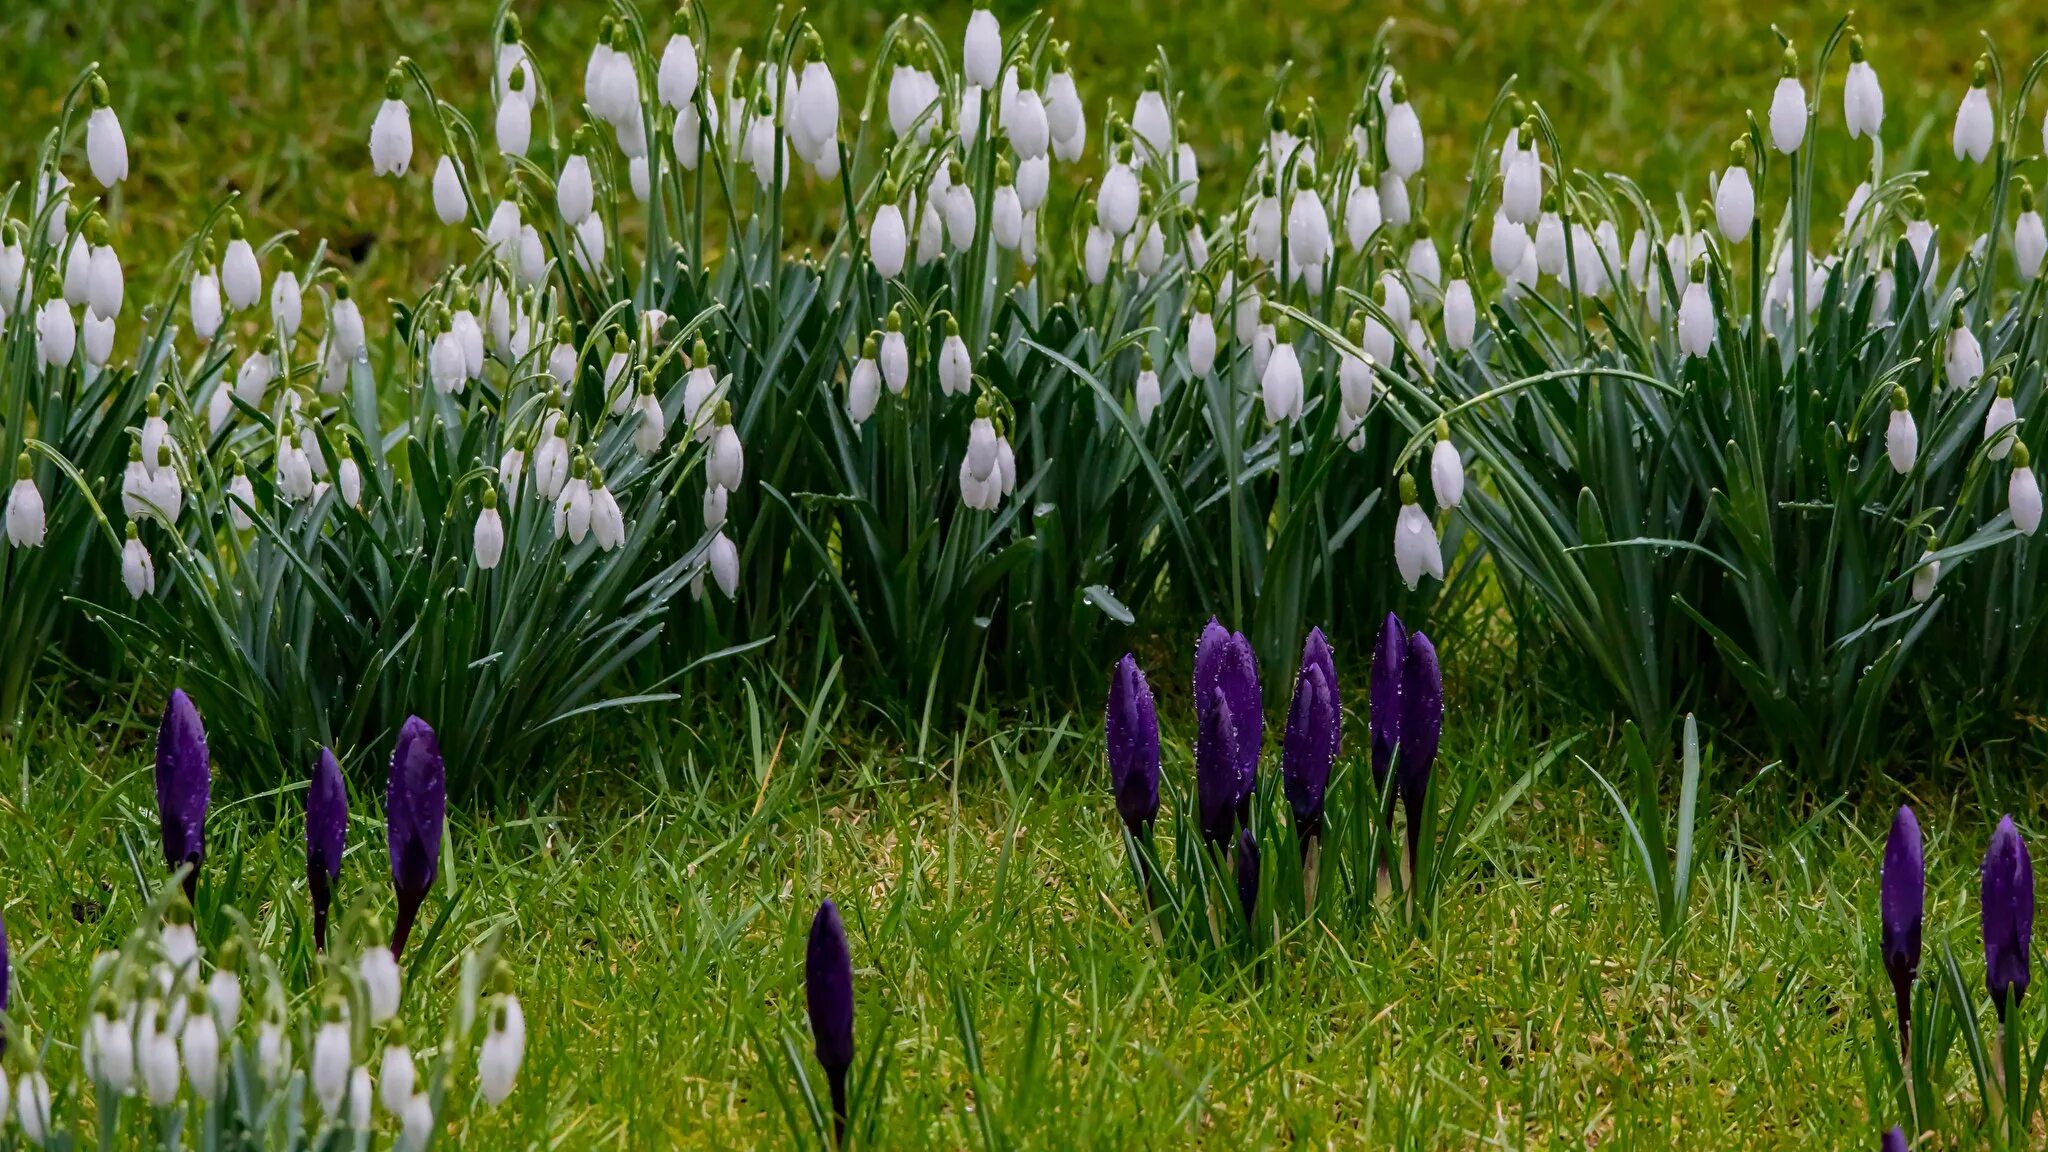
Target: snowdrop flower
pixel 1006 215
pixel 1695 321
pixel 715 499
pixel 240 274
pixel 32 1105
pixel 1550 253
pixel 607 521
pixel 981 56
pixel 1425 267
pixel 135 484
pixel 77 282
pixel 105 283
pixel 562 358
pixel 1521 188
pixel 514 124
pixel 331 1060
pixel 1262 344
pixel 958 206
pixel 1507 243
pixel 391 134
pixel 864 383
pixel 1963 362
pixel 1202 335
pixel 1354 373
pixel 895 359
pixel 445 361
pixel 106 147
pixel 1147 253
pixel 2029 239
pixel 1095 251
pixel 1862 99
pixel 589 243
pixel 620 396
pixel 344 323
pixel 56 333
pixel 1419 349
pixel 1362 217
pixel 816 119
pixel 286 306
pixel 138 570
pixel 512 63
pixel 1446 469
pixel 1377 340
pixel 348 477
pixel 1734 198
pixel 1523 277
pixel 700 390
pixel 1116 203
pixel 157 1053
pixel 574 192
pixel 931 232
pixel 724 559
pixel 512 465
pixel 675 82
pixel 1588 268
pixel 1999 417
pixel 969 117
pixel 1063 113
pixel 488 538
pixel 1416 548
pixel 112 1054
pixel 1308 230
pixel 981 442
pixel 687 137
pixel 498 1059
pixel 551 458
pixel 1901 435
pixel 273 1051
pixel 294 470
pixel 240 499
pixel 1974 126
pixel 13 271
pixel 1788 106
pixel 572 507
pixel 1149 120
pixel 653 426
pixel 1924 576
pixel 610 86
pixel 164 493
pixel 201 1047
pixel 378 970
pixel 1280 384
pixel 2023 492
pixel 417 1123
pixel 449 202
pixel 55 186
pixel 1028 125
pixel 361 1099
pixel 1461 318
pixel 1146 391
pixel 396 1073
pixel 727 460
pixel 956 367
pixel 1403 130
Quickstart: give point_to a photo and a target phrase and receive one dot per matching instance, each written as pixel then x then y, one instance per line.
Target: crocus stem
pixel 408 911
pixel 322 897
pixel 1311 859
pixel 1903 994
pixel 838 1079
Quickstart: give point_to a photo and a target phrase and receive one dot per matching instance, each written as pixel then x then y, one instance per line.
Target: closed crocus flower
pixel 1901 435
pixel 1314 736
pixel 415 807
pixel 1734 196
pixel 1416 548
pixel 1389 664
pixel 391 134
pixel 1247 874
pixel 1998 418
pixel 1788 106
pixel 1422 726
pixel 1974 123
pixel 1893 1141
pixel 1230 729
pixel 1131 737
pixel 1902 900
pixel 2023 492
pixel 184 782
pixel 828 997
pixel 2008 917
pixel 1862 98
pixel 326 837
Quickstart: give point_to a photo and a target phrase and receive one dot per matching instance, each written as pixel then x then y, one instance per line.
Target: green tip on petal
pixel 1407 489
pixel 1900 401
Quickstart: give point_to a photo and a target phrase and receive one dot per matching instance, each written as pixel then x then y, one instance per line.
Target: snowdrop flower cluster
pixel 988 469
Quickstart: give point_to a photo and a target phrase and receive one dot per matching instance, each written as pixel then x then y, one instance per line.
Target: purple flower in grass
pixel 415 807
pixel 1389 654
pixel 1247 873
pixel 1422 727
pixel 1230 728
pixel 2008 916
pixel 326 833
pixel 828 994
pixel 1130 731
pixel 1314 736
pixel 184 782
pixel 1893 1141
pixel 1902 902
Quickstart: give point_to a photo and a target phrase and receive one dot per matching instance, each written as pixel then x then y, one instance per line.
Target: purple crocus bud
pixel 1388 656
pixel 1422 726
pixel 184 781
pixel 415 807
pixel 828 993
pixel 1225 668
pixel 2008 916
pixel 1215 776
pixel 1247 873
pixel 326 832
pixel 1893 1141
pixel 1314 736
pixel 1901 904
pixel 1130 730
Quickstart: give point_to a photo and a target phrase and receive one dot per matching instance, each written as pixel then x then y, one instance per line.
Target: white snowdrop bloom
pixel 1735 199
pixel 488 538
pixel 417 1123
pixel 533 257
pixel 1521 193
pixel 165 493
pixel 309 443
pixel 724 558
pixel 2023 493
pixel 294 472
pixel 1095 252
pixel 574 192
pixel 1901 435
pixel 1999 417
pixel 1446 469
pixel 345 325
pixel 1378 341
pixel 1006 464
pixel 450 204
pixel 513 127
pixel 1419 348
pixel 1006 218
pixel 1262 350
pixel 55 186
pixel 1924 576
pixel 910 94
pixel 562 363
pixel 590 242
pixel 1416 548
pixel 1919 238
pixel 687 137
pixel 572 507
pixel 56 333
pixel 675 82
pixel 204 300
pixel 727 461
pixel 157 1054
pixel 396 1075
pixel 511 467
pixel 607 521
pixel 981 54
pixel 13 275
pixel 106 146
pixel 931 234
pixel 817 106
pixel 1695 321
pixel 32 1105
pixel 348 476
pixel 505 1042
pixel 1280 384
pixel 1974 124
pixel 391 134
pixel 77 282
pixel 331 1059
pixel 1403 132
pixel 1063 113
pixel 1862 98
pixel 864 383
pixel 631 134
pixel 1151 125
pixel 1354 377
pixel 653 426
pixel 240 500
pixel 379 971
pixel 768 164
pixel 983 495
pixel 1425 267
pixel 969 117
pixel 287 308
pixel 138 570
pixel 253 378
pixel 1263 231
pixel 136 480
pixel 715 499
pixel 1006 95
pixel 956 367
pixel 981 444
pixel 446 365
pixel 113 1050
pixel 200 1046
pixel 1506 243
pixel 273 1051
pixel 1027 125
pixel 1523 278
pixel 1788 107
pixel 361 1100
pixel 1461 318
pixel 610 86
pixel 1146 392
pixel 1308 230
pixel 1146 253
pixel 895 359
pixel 1852 212
pixel 619 395
pixel 1550 252
pixel 1116 203
pixel 1588 271
pixel 2029 239
pixel 550 459
pixel 513 65
pixel 1963 362
pixel 1201 343
pixel 1639 260
pixel 1246 312
pixel 98 338
pixel 1033 175
pixel 959 212
pixel 1394 301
